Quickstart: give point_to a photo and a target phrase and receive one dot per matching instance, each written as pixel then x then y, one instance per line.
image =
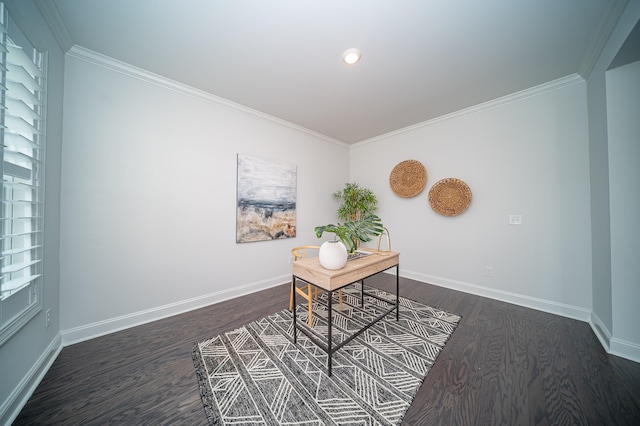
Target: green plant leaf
pixel 357 202
pixel 355 230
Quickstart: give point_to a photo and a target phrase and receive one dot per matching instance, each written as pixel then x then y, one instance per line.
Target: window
pixel 22 100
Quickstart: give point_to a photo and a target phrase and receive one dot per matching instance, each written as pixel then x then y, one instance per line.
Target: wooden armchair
pixel 311 291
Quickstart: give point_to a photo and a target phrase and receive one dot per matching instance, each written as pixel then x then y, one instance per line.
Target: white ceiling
pixel 421 59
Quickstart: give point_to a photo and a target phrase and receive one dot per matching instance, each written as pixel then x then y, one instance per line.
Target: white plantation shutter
pixel 22 96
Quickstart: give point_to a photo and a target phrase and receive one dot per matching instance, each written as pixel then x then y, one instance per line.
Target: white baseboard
pixel 625 349
pixel 10 408
pixel 601 331
pixel 612 345
pixel 552 307
pixel 101 328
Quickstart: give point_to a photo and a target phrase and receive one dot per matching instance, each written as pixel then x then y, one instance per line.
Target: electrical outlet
pixel 488 271
pixel 515 219
pixel 47 319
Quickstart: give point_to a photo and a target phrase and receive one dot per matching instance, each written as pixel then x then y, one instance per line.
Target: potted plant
pixel 356 201
pixel 334 254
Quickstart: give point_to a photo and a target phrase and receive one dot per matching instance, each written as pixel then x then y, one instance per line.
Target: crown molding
pixel 601 36
pixel 56 24
pixel 523 94
pixel 95 58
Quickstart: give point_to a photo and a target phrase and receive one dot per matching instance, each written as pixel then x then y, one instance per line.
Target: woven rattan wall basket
pixel 408 178
pixel 450 197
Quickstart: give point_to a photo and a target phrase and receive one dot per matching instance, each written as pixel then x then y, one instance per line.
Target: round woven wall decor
pixel 408 178
pixel 449 197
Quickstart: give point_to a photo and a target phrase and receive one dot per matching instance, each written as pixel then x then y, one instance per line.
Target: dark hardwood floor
pixel 504 365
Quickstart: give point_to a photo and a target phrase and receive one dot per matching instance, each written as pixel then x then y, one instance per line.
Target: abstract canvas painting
pixel 266 199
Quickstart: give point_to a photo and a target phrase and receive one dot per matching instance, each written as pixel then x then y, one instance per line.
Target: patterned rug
pixel 255 375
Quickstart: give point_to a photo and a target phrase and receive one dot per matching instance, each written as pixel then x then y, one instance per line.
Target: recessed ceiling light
pixel 351 56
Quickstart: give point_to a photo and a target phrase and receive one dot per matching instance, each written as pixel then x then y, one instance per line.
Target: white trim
pixel 18 398
pixel 95 58
pixel 101 328
pixel 51 15
pixel 600 330
pixel 625 349
pixel 601 36
pixel 523 94
pixel 552 307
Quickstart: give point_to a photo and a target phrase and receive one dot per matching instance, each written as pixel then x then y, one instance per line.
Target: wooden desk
pixel 310 270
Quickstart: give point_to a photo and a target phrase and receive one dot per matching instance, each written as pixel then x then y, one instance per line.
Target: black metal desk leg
pixel 329 346
pixel 293 291
pixel 398 292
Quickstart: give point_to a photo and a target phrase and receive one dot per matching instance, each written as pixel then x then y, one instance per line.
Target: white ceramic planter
pixel 332 255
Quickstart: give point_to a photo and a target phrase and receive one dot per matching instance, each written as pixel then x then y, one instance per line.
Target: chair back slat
pixel 300 252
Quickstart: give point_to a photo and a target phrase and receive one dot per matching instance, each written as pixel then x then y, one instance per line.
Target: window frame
pixel 22 155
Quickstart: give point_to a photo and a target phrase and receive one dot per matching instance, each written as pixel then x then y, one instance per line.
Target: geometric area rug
pixel 255 375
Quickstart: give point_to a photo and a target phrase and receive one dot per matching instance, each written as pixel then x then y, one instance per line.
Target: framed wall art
pixel 265 199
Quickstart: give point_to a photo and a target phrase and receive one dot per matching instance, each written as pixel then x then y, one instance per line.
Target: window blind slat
pixel 16 140
pixel 20 75
pixel 21 234
pixel 15 267
pixel 19 250
pixel 19 109
pixel 18 57
pixel 10 169
pixel 19 124
pixel 17 90
pixel 17 284
pixel 18 158
pixel 23 186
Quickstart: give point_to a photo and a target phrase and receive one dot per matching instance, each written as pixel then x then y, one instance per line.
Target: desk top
pixel 310 270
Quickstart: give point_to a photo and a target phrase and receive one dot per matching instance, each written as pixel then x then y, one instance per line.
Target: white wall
pixel 149 192
pixel 623 106
pixel 605 308
pixel 526 154
pixel 26 356
pixel 602 314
